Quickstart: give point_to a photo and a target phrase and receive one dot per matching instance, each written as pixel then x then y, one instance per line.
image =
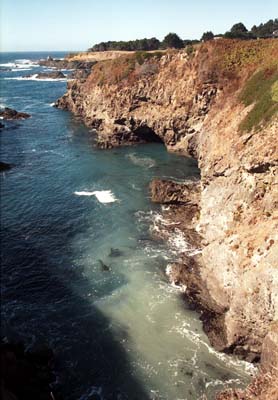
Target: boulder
pixel 10 114
pixel 170 192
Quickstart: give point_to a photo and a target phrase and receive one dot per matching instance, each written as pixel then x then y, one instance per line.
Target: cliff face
pixel 217 103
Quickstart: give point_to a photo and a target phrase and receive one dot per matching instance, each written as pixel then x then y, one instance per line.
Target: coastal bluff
pixel 216 102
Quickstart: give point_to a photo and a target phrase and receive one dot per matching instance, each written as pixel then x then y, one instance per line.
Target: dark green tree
pixel 239 31
pixel 207 36
pixel 131 45
pixel 172 40
pixel 239 28
pixel 265 30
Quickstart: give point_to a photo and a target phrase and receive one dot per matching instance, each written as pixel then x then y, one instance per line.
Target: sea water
pixel 80 269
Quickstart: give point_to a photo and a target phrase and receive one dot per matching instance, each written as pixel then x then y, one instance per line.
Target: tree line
pixel 239 31
pixel 172 40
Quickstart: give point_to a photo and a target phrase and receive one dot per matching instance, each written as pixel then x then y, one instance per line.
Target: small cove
pixel 122 331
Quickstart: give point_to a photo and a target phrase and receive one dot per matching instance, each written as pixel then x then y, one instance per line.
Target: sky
pixel 71 25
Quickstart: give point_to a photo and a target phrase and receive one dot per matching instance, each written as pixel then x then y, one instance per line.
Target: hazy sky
pixel 78 24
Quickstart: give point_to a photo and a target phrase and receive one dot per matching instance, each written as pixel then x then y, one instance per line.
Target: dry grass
pixel 125 69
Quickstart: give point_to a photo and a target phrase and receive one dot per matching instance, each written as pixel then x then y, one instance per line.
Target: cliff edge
pixel 217 102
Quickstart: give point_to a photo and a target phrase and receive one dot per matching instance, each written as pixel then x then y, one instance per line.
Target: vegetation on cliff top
pixel 172 40
pixel 236 55
pixel 262 90
pixel 236 60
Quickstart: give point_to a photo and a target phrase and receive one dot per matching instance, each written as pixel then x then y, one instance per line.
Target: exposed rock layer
pixel 191 102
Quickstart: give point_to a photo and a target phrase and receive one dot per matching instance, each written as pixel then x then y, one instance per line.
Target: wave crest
pixel 103 196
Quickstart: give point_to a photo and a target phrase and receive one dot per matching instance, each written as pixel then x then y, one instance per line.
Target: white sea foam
pixel 145 162
pixel 178 241
pixel 20 69
pixel 185 330
pixel 219 382
pixel 24 63
pixel 19 65
pixel 35 78
pixel 8 65
pixel 103 196
pixel 52 104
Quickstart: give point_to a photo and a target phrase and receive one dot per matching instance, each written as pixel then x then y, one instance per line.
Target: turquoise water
pixel 122 331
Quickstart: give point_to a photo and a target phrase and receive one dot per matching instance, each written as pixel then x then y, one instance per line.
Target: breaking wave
pixel 103 196
pixel 35 78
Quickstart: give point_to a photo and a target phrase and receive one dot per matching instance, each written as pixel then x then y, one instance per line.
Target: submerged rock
pixel 103 266
pixel 115 252
pixel 5 166
pixel 10 114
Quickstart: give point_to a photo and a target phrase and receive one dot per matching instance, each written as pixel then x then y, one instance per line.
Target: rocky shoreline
pixel 199 104
pixel 66 64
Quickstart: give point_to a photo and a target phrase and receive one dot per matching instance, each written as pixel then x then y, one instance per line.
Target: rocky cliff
pixel 217 102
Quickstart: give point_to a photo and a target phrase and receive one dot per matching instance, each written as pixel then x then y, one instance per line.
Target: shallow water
pixel 80 270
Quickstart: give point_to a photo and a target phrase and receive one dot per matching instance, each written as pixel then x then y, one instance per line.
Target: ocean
pixel 80 270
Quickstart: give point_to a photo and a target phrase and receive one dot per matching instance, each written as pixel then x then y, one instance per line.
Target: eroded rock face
pixel 169 192
pixel 193 106
pixel 265 385
pixel 159 105
pixel 10 114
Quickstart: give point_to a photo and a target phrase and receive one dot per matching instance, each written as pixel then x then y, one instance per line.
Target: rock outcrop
pixel 51 75
pixel 10 114
pixel 218 103
pixel 66 64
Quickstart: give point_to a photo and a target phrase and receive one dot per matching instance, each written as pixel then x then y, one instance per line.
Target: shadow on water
pixel 41 305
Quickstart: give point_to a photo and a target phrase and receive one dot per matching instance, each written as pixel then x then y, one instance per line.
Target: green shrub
pixel 262 90
pixel 189 50
pixel 142 56
pixel 274 91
